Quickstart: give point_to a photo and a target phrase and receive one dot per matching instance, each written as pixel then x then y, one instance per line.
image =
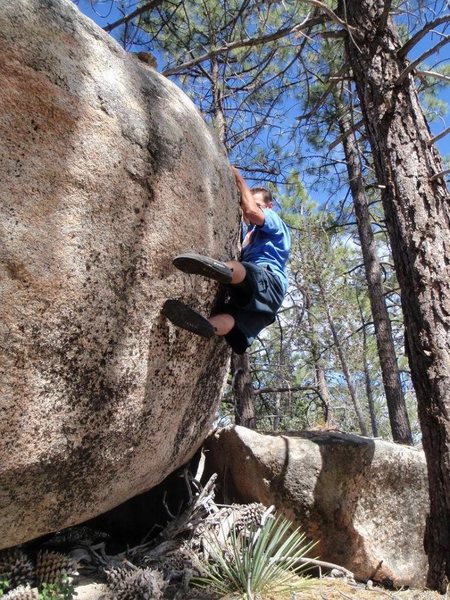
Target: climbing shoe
pixel 185 317
pixel 203 265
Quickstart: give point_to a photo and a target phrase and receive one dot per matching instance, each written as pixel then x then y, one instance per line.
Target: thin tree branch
pixel 439 175
pixel 294 388
pixel 244 43
pixel 376 186
pixel 440 135
pixel 411 66
pixel 331 14
pixel 356 33
pixel 327 565
pixel 432 74
pixel 334 81
pixel 334 35
pixel 141 9
pixel 342 137
pixel 403 51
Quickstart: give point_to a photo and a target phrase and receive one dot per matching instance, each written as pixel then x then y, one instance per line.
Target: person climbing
pixel 257 283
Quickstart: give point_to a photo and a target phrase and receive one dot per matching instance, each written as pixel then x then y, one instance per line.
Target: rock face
pixel 108 171
pixel 364 501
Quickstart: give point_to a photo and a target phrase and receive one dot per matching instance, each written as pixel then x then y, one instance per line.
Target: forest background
pixel 330 103
pixel 280 98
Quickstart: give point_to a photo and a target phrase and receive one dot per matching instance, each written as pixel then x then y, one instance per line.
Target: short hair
pixel 267 194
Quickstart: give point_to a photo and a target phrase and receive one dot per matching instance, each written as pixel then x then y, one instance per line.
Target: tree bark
pixel 416 204
pixel 217 107
pixel 398 416
pixel 369 393
pixel 244 408
pixel 319 371
pixel 342 360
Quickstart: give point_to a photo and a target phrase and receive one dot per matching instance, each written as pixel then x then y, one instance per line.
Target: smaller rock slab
pixel 363 501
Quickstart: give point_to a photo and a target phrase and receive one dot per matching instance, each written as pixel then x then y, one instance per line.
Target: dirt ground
pixel 318 589
pixel 332 589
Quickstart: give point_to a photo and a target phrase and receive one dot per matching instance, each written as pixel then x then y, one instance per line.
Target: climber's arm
pixel 251 211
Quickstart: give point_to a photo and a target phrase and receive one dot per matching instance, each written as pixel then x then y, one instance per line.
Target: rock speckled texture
pixel 363 501
pixel 108 171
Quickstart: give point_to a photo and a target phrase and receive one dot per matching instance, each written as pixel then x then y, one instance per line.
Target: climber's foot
pixel 185 317
pixel 203 265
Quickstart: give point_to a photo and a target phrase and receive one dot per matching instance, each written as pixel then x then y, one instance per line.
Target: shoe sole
pixel 196 264
pixel 185 317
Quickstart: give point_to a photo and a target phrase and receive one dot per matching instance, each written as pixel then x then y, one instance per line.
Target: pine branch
pixel 334 81
pixel 403 51
pixel 334 35
pixel 411 66
pixel 432 74
pixel 245 43
pixel 331 14
pixel 294 388
pixel 144 8
pixel 439 175
pixel 440 135
pixel 342 137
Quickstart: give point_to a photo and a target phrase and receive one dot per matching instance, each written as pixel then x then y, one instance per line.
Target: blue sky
pixel 106 12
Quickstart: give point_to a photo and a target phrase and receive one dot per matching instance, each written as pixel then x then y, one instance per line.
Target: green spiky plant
pixel 63 589
pixel 268 559
pixel 4 585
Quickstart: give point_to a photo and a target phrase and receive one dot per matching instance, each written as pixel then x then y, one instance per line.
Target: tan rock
pixel 363 501
pixel 108 171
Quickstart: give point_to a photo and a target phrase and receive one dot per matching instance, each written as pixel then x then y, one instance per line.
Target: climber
pixel 256 284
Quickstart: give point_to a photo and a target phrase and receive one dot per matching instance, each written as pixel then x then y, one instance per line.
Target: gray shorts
pixel 253 304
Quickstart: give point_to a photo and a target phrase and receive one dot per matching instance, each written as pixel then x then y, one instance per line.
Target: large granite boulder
pixel 363 501
pixel 108 171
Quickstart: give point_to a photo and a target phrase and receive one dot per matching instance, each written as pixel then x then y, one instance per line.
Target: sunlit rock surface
pixel 107 172
pixel 363 501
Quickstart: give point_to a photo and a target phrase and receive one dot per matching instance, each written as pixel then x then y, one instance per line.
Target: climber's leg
pixel 225 272
pixel 187 318
pixel 222 323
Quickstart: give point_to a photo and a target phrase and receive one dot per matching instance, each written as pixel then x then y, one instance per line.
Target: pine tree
pixel 415 200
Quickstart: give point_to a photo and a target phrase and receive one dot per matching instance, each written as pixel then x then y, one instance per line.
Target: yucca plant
pixel 266 559
pixel 4 585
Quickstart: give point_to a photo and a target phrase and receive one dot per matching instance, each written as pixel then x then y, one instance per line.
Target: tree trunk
pixel 369 393
pixel 244 408
pixel 416 205
pixel 324 394
pixel 398 416
pixel 319 371
pixel 217 101
pixel 342 360
pixel 277 413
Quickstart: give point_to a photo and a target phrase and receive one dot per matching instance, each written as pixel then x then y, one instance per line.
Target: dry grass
pixel 332 589
pixel 318 589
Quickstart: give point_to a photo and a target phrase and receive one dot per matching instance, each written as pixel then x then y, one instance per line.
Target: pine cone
pixel 16 567
pixel 250 517
pixel 23 592
pixel 173 565
pixel 52 566
pixel 142 584
pixel 116 576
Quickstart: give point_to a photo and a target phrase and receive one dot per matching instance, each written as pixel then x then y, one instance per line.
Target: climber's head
pixel 263 197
